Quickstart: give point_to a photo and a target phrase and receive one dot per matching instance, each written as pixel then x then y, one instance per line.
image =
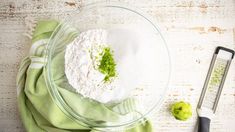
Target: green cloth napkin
pixel 38 110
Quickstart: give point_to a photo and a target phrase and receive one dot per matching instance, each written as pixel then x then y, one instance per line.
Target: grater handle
pixel 204 124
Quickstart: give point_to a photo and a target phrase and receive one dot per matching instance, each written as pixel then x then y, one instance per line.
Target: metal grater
pixel 213 86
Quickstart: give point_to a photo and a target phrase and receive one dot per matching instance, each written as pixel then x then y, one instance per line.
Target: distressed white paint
pixel 193 29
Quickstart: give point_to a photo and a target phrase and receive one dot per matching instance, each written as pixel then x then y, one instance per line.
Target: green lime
pixel 181 110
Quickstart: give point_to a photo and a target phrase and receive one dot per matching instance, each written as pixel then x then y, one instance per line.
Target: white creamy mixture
pixel 131 54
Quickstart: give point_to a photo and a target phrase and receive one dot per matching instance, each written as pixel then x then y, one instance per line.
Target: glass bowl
pixel 152 77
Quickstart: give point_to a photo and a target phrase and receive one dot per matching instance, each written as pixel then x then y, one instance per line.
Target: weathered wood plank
pixel 193 28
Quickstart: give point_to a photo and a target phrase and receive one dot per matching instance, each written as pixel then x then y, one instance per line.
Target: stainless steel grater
pixel 213 86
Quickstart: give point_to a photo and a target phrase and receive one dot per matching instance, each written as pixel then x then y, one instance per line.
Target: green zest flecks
pixel 107 64
pixel 217 74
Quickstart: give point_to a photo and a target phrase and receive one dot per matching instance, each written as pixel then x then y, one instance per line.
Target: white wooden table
pixel 193 29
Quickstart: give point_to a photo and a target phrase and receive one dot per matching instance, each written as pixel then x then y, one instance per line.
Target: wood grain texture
pixel 193 29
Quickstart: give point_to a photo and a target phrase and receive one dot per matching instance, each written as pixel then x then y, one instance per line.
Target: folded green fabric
pixel 40 113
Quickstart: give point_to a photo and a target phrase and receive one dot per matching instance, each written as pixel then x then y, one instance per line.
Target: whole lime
pixel 181 110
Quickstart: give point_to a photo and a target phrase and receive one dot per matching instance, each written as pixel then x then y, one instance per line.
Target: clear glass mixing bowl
pixel 109 15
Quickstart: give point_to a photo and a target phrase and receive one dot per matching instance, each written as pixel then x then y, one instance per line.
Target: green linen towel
pixel 39 112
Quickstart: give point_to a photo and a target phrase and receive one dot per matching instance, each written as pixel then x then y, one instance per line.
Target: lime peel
pixel 107 64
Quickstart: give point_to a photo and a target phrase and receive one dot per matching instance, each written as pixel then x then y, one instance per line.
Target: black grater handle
pixel 204 124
